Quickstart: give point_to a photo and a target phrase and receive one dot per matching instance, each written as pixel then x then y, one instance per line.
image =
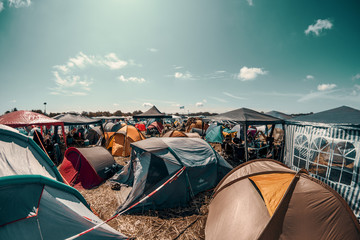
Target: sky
pixel 205 55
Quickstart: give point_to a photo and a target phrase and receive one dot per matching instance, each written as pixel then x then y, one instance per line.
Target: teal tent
pixel 20 155
pixel 215 135
pixel 36 207
pixel 155 160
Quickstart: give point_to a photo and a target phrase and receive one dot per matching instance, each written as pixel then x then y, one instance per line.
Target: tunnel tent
pixel 327 144
pixel 20 155
pixel 86 168
pixel 36 207
pixel 215 135
pixel 155 160
pixel 264 199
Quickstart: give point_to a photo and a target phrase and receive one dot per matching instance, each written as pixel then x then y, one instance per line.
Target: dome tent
pixel 155 160
pixel 175 133
pixel 36 207
pixel 264 199
pixel 120 141
pixel 20 155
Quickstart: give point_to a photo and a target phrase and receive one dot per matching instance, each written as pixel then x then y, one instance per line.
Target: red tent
pixel 87 167
pixel 26 118
pixel 140 126
pixel 157 125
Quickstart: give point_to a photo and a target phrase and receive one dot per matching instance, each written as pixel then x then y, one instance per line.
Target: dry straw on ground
pixel 182 223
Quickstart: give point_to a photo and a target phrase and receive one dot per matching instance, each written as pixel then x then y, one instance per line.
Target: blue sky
pixel 85 55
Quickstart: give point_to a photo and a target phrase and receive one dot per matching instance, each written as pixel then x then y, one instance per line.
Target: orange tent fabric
pixel 264 199
pixel 120 141
pixel 272 188
pixel 175 133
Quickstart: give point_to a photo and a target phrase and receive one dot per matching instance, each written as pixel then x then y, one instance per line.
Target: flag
pixel 182 107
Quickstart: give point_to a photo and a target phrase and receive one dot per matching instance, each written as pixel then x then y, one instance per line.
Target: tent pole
pixel 64 135
pixel 245 126
pixel 282 145
pixel 271 142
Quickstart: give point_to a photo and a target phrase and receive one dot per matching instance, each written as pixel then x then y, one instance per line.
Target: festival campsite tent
pixel 153 112
pixel 156 126
pixel 140 126
pixel 264 199
pixel 76 119
pixel 36 207
pixel 113 127
pixel 20 155
pixel 156 160
pixel 247 117
pixel 87 167
pixel 215 135
pixel 327 144
pixel 26 118
pixel 175 133
pixel 94 135
pixel 120 141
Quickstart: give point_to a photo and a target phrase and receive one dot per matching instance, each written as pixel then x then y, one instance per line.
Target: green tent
pixel 36 207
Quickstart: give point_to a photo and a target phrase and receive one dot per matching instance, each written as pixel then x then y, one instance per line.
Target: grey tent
pixel 112 127
pixel 264 199
pixel 36 207
pixel 153 112
pixel 20 155
pixel 327 144
pixel 76 119
pixel 280 115
pixel 156 160
pixel 247 117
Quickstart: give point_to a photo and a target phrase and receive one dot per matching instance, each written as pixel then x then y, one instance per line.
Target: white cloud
pixel 309 77
pixel 247 74
pixel 153 50
pixel 13 101
pixel 250 2
pixel 357 76
pixel 186 75
pixel 146 104
pixel 178 67
pixel 19 3
pixel 326 87
pixel 233 96
pixel 113 62
pixel 220 71
pixel 65 84
pixel 319 26
pixel 131 79
pixel 219 99
pixel 62 68
pixel 1 6
pixel 204 101
pixel 116 104
pixel 199 104
pixel 81 60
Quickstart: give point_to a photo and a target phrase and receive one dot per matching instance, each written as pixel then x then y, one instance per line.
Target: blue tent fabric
pixel 215 135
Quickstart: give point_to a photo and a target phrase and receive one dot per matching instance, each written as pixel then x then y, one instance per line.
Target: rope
pixel 174 177
pixel 37 134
